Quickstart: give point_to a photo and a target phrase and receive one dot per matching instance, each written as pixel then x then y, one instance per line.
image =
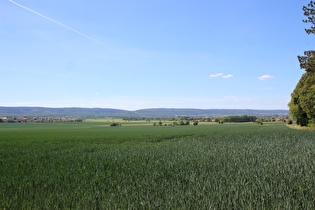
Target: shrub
pixel 289 122
pixel 115 124
pixel 259 122
pixel 311 123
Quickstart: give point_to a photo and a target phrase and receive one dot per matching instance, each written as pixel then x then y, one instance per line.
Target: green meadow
pixel 91 165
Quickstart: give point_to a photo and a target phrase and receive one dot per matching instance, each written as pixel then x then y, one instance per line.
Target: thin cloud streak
pixel 227 76
pixel 216 75
pixel 54 21
pixel 223 76
pixel 264 77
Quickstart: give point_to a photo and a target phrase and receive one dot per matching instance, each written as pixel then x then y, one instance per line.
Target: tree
pixel 302 104
pixel 115 124
pixel 289 122
pixel 259 122
pixel 11 120
pixel 309 12
pixel 181 122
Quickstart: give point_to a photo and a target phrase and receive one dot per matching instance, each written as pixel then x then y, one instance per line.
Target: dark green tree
pixel 309 12
pixel 302 104
pixel 115 124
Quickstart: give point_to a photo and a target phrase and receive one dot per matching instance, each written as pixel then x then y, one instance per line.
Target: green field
pixel 91 165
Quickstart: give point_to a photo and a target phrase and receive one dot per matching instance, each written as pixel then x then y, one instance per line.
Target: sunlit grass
pixel 301 127
pixel 91 165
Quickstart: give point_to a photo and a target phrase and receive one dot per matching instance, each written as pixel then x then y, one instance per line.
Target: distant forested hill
pixel 118 113
pixel 62 112
pixel 164 112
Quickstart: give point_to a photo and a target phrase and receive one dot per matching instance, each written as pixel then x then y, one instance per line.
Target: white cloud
pixel 220 74
pixel 263 77
pixel 216 75
pixel 227 76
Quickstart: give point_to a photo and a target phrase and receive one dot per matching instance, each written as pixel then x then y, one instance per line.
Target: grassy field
pixel 91 165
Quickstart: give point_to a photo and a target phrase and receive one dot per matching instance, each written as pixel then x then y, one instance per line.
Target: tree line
pixel 187 119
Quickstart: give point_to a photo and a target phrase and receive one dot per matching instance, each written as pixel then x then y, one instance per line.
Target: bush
pixel 289 122
pixel 311 123
pixel 259 122
pixel 115 124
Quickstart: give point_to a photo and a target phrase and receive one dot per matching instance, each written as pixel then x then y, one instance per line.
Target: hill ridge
pixel 116 113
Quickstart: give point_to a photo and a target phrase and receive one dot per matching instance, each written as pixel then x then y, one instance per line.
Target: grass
pixel 209 166
pixel 301 127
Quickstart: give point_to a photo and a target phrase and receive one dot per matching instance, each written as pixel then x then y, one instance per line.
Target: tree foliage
pixel 195 123
pixel 243 118
pixel 115 124
pixel 309 12
pixel 302 104
pixel 307 62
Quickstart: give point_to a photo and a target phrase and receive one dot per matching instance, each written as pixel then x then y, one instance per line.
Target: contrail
pixel 54 21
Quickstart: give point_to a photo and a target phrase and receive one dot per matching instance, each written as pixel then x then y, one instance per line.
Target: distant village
pixel 244 118
pixel 36 119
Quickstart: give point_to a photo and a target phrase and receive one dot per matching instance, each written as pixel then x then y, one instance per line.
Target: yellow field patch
pixel 301 128
pixel 104 120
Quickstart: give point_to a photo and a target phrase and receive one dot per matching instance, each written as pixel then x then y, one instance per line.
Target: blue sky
pixel 151 54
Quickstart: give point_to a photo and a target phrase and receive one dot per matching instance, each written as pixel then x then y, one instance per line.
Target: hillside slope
pixel 116 113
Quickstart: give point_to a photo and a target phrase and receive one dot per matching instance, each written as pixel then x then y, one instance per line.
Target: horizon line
pixel 69 107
